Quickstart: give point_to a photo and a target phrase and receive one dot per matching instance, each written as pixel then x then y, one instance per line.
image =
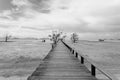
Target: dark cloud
pixel 6 5
pixel 41 5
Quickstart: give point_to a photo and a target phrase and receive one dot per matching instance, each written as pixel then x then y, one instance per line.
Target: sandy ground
pixel 106 54
pixel 19 58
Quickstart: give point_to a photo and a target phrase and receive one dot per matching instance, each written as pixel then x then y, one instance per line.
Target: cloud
pixel 21 3
pixel 84 16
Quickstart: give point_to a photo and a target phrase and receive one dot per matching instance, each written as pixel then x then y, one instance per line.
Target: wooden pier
pixel 61 64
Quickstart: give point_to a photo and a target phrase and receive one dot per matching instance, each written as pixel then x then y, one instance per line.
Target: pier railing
pixel 94 65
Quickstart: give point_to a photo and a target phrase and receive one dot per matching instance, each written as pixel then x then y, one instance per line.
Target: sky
pixel 89 18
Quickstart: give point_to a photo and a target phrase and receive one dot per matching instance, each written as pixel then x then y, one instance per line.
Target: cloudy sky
pixel 91 18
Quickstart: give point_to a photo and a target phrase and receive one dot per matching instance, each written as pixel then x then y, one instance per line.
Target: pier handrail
pixel 94 65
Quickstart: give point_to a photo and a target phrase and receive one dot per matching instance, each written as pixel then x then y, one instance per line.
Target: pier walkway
pixel 60 64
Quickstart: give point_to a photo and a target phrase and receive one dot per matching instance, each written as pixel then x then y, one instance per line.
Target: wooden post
pixel 76 55
pixel 73 52
pixel 93 70
pixel 70 49
pixel 82 60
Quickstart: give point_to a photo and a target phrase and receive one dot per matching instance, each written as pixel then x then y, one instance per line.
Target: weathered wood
pixel 73 52
pixel 93 70
pixel 82 60
pixel 94 65
pixel 60 64
pixel 76 55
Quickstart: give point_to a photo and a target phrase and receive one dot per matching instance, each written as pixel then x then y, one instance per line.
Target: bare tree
pixel 7 37
pixel 74 38
pixel 54 37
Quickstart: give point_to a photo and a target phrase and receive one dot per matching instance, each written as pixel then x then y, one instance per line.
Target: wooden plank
pixel 60 64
